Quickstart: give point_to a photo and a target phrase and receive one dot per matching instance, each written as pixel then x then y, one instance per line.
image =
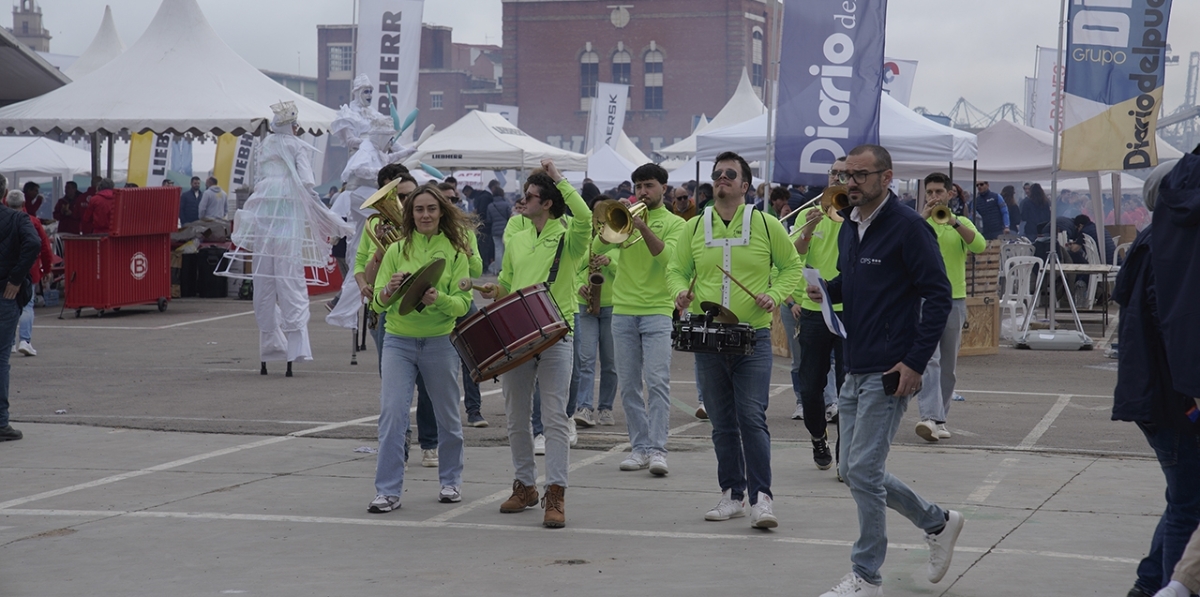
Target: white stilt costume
pixel 282 230
pixel 367 133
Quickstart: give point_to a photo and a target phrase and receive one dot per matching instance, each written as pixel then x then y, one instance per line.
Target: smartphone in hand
pixel 891 383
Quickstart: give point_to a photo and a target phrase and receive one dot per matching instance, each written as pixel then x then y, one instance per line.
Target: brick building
pixel 682 58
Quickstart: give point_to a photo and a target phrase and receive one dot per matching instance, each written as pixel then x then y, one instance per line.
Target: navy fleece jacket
pixel 883 279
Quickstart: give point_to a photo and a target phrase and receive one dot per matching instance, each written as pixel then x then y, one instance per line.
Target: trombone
pixel 832 200
pixel 616 221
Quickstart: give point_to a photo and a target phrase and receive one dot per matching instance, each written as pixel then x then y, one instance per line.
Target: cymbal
pixel 722 314
pixel 415 286
pixel 380 194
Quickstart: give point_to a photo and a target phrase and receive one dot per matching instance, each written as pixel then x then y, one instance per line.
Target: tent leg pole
pixel 110 156
pixel 94 139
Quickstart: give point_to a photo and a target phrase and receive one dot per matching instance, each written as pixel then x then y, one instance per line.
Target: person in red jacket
pixel 70 209
pixel 97 218
pixel 16 200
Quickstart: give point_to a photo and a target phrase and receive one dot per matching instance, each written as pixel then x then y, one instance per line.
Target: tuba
pixel 387 202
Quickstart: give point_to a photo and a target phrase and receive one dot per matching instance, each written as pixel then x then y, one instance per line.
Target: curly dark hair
pixel 549 192
pixel 455 223
pixel 389 173
pixel 780 193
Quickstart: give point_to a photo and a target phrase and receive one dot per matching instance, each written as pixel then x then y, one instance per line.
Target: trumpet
pixel 616 220
pixel 832 200
pixel 941 214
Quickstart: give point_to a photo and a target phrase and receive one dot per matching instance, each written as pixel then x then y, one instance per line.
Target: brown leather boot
pixel 556 515
pixel 523 496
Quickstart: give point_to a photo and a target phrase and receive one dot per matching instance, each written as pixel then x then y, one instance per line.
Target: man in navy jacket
pixel 896 299
pixel 19 247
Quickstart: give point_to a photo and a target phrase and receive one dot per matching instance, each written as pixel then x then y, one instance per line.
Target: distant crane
pixel 1179 128
pixel 966 116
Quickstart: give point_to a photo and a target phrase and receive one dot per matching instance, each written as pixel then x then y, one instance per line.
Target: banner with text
pixel 1116 54
pixel 389 52
pixel 830 81
pixel 898 76
pixel 149 159
pixel 608 115
pixel 1047 92
pixel 231 167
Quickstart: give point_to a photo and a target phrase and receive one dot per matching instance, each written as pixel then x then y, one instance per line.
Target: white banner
pixel 1030 94
pixel 608 115
pixel 898 78
pixel 389 51
pixel 1046 106
pixel 510 113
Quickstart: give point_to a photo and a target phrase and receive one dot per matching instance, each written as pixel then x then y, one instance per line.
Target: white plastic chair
pixel 1018 289
pixel 1122 253
pixel 1093 258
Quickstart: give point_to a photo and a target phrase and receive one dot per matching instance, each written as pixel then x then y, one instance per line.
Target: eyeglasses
pixel 860 177
pixel 981 184
pixel 729 173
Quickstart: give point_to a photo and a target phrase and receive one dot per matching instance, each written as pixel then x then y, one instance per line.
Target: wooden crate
pixel 983 271
pixel 981 331
pixel 780 346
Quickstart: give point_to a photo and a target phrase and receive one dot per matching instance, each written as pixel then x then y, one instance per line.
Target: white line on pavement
pixel 992 481
pixel 1044 425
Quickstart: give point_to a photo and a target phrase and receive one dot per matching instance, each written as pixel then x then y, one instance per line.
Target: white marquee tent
pixel 28 157
pixel 487 141
pixel 104 47
pixel 744 105
pixel 605 167
pixel 178 51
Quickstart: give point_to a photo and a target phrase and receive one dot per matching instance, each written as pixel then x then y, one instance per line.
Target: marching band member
pixel 419 343
pixel 285 232
pixel 747 243
pixel 641 322
pixel 593 339
pixel 547 251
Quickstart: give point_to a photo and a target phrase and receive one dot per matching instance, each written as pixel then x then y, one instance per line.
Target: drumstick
pixel 692 285
pixel 466 285
pixel 739 284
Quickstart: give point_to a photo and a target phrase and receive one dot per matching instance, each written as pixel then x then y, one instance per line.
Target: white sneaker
pixel 727 508
pixel 831 412
pixel 14 347
pixel 927 430
pixel 798 415
pixel 761 514
pixel 429 458
pixel 636 462
pixel 942 432
pixel 941 546
pixel 853 586
pixel 572 435
pixel 384 503
pixel 658 465
pixel 449 494
pixel 701 412
pixel 584 418
pixel 539 445
pixel 26 349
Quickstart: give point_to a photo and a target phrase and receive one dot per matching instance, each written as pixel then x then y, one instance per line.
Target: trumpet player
pixel 641 322
pixel 956 237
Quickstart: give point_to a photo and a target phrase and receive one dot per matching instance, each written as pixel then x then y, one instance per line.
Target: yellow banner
pixel 232 165
pixel 141 146
pixel 1120 138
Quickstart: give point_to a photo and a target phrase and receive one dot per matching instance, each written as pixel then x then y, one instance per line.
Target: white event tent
pixel 628 150
pixel 487 141
pixel 605 167
pixel 1014 152
pixel 917 144
pixel 178 51
pixel 27 157
pixel 104 47
pixel 744 105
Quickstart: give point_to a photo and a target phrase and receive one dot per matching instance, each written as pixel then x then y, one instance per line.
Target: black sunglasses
pixel 729 173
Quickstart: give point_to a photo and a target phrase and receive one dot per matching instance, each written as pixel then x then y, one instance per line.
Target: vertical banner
pixel 1116 54
pixel 898 78
pixel 389 52
pixel 1030 99
pixel 830 80
pixel 232 165
pixel 1047 95
pixel 149 159
pixel 608 116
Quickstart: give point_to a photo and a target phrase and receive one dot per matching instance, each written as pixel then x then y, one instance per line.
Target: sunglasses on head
pixel 729 173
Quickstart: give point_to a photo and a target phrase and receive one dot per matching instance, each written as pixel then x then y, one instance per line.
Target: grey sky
pixel 978 49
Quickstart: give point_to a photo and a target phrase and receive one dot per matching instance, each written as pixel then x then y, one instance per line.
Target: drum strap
pixel 726 245
pixel 557 259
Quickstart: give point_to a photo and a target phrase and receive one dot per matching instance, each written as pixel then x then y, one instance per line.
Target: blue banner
pixel 830 79
pixel 1116 54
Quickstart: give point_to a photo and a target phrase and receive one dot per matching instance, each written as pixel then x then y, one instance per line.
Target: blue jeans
pixel 645 350
pixel 1178 454
pixel 817 342
pixel 9 315
pixel 593 336
pixel 864 467
pixel 26 325
pixel 426 422
pixel 404 358
pixel 736 391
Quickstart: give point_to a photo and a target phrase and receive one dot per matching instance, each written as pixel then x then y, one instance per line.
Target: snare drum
pixel 509 332
pixel 701 335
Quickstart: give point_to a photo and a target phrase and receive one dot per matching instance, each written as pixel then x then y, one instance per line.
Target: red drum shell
pixel 509 332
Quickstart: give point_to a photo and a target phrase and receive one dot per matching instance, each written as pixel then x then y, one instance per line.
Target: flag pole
pixel 1052 256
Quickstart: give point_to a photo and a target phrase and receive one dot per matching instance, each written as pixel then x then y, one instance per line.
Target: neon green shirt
pixel 641 287
pixel 606 290
pixel 528 255
pixel 822 256
pixel 752 264
pixel 436 319
pixel 366 248
pixel 954 253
